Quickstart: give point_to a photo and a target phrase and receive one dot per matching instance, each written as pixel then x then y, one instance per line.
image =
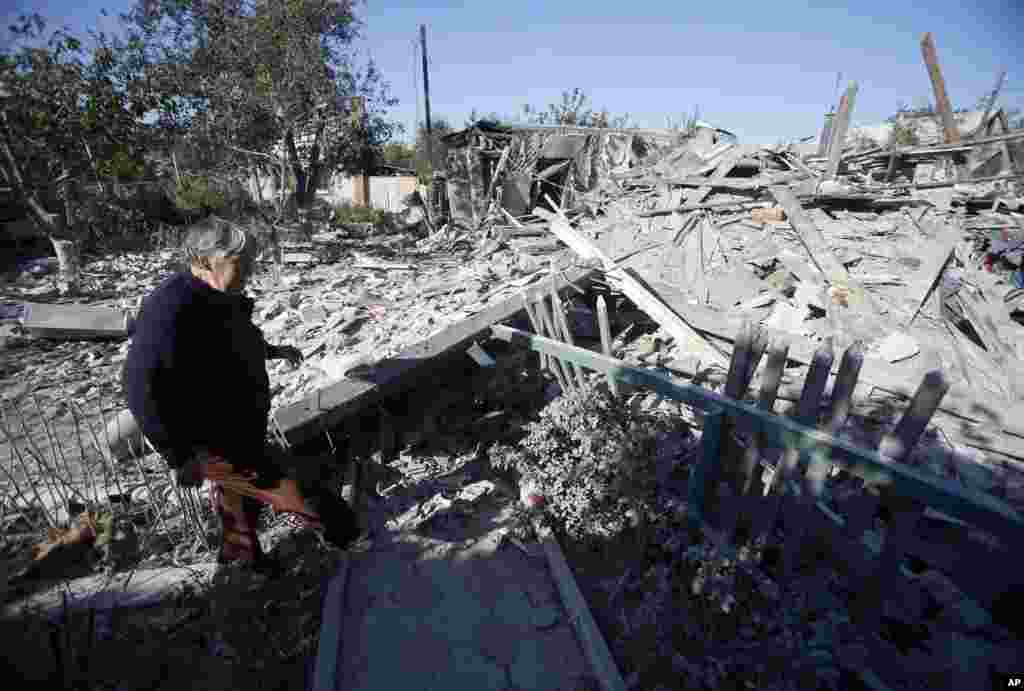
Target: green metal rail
pixel 976 508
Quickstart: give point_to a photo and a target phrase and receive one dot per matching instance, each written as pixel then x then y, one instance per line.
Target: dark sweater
pixel 196 374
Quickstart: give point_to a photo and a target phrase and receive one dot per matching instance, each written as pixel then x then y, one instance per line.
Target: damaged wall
pixel 517 166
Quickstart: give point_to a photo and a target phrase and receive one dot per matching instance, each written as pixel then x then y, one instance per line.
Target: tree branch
pixel 314 156
pixel 275 159
pixel 12 172
pixel 293 152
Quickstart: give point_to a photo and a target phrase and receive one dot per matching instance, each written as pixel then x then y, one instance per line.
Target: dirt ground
pixel 238 631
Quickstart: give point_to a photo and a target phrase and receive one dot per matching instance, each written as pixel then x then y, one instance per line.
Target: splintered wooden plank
pixel 812 238
pixel 531 314
pixel 846 384
pixel 725 167
pixel 1002 354
pixel 774 367
pixel 632 287
pixel 962 401
pixel 327 406
pixel 840 125
pixel 951 134
pixel 548 330
pixel 898 444
pixel 703 477
pixel 791 469
pixel 562 325
pixel 735 387
pixel 941 494
pixel 602 664
pixel 606 339
pixel 906 511
pixel 924 281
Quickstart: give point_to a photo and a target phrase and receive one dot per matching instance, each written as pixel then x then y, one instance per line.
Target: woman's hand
pixel 290 353
pixel 192 473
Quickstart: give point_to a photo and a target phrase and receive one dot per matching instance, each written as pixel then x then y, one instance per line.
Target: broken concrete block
pixel 809 294
pixel 75 322
pixel 476 490
pixel 898 346
pixel 786 317
pixel 313 314
pixel 338 366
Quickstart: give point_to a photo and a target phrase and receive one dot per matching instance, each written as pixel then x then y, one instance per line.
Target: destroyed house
pixel 926 128
pixel 518 165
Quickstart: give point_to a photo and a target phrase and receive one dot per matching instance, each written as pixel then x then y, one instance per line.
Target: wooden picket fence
pixel 729 501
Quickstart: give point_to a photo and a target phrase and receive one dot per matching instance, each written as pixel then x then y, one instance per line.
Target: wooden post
pixel 704 476
pixel 931 61
pixel 561 324
pixel 606 339
pixel 826 135
pixel 840 125
pixel 361 182
pixel 992 101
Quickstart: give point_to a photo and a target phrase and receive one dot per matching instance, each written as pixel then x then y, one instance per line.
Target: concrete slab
pixel 72 322
pixel 454 608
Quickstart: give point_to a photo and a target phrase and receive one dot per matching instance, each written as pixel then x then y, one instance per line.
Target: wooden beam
pixel 606 339
pixel 858 303
pixel 812 238
pixel 332 620
pixel 991 101
pixel 602 664
pixel 631 285
pixel 725 167
pixel 991 414
pixel 839 129
pixel 931 61
pixel 826 135
pixel 325 407
pixel 923 283
pixel 695 207
pixel 902 480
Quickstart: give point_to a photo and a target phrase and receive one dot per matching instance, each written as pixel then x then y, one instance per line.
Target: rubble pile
pixel 924 276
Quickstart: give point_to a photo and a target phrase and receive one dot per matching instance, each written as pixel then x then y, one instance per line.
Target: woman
pixel 196 382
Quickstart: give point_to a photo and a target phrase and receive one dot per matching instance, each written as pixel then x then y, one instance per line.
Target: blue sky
pixel 765 70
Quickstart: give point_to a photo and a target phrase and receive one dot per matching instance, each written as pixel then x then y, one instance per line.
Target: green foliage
pixel 594 458
pixel 439 127
pixel 685 124
pixel 244 77
pixel 345 214
pixel 399 154
pixel 71 118
pixel 200 194
pixel 904 133
pixel 574 109
pixel 122 165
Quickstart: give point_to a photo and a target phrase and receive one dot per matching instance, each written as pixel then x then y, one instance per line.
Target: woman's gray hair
pixel 215 238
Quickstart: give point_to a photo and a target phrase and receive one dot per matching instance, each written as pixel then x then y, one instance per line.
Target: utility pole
pixel 426 94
